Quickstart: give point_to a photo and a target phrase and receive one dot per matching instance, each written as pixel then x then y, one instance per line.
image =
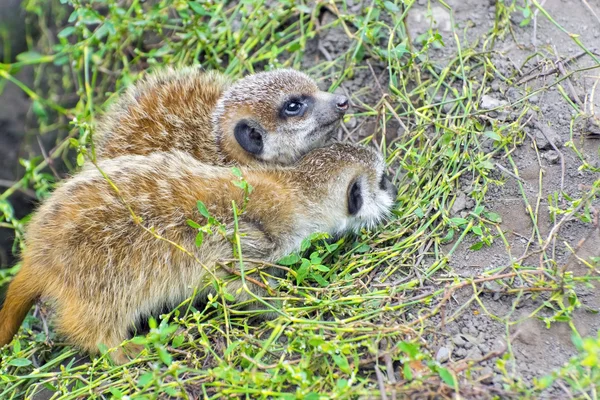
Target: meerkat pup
pixel 269 117
pixel 103 271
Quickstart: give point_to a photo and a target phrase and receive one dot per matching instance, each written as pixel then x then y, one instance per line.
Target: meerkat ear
pixel 250 138
pixel 355 199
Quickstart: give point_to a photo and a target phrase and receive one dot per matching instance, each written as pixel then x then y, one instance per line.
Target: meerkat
pixel 271 117
pixel 103 271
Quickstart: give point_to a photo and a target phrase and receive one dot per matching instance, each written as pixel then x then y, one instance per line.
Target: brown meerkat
pixel 268 117
pixel 103 272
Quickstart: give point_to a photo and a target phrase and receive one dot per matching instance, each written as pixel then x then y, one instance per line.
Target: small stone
pixel 487 375
pixel 489 102
pixel 495 86
pixel 351 124
pixel 459 204
pixel 534 99
pixel 484 348
pixel 458 340
pixel 552 156
pixel 460 353
pixel 543 139
pixel 593 127
pixel 443 354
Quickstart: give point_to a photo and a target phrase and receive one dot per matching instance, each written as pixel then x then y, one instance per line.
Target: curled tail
pixel 19 299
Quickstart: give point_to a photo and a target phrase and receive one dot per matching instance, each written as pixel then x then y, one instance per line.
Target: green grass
pixel 356 309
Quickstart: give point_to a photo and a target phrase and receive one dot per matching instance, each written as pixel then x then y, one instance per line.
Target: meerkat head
pixel 350 185
pixel 275 117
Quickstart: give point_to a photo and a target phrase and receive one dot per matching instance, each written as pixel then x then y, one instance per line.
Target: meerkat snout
pixel 275 117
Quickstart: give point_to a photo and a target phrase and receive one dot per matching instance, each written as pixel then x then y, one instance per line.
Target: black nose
pixel 342 104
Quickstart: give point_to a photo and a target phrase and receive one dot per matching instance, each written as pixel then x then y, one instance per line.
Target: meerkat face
pixel 350 185
pixel 369 198
pixel 276 116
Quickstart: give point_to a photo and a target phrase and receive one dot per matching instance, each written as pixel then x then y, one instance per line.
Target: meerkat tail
pixel 19 299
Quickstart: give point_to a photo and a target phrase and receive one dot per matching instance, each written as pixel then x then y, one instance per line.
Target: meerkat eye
pixel 293 108
pixel 355 199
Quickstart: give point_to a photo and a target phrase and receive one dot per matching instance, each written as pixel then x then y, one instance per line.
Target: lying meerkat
pixel 104 272
pixel 269 117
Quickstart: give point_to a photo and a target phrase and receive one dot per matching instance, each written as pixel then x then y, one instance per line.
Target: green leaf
pixel 363 248
pixel 199 238
pixel 492 135
pixel 68 31
pixel 80 159
pixel 321 268
pixel 229 297
pixel 198 8
pixel 202 209
pixel 29 56
pixel 19 362
pixel 476 246
pixel 193 224
pixel 407 372
pixel 303 8
pixel 164 355
pixel 341 361
pixel 391 6
pixel 477 230
pixel 409 348
pixel 236 171
pixel 178 340
pixel 487 164
pixel 302 272
pixel 289 259
pixel 449 236
pixel 458 221
pixel 39 110
pixel 493 217
pixel 116 392
pixel 447 376
pixel 320 280
pixel 145 379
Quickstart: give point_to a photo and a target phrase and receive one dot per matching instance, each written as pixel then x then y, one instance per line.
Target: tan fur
pixel 103 272
pixel 196 112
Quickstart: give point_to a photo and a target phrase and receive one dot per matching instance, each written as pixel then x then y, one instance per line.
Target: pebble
pixel 487 375
pixel 351 124
pixel 458 340
pixel 443 354
pixel 534 99
pixel 552 156
pixel 459 204
pixel 489 102
pixel 543 143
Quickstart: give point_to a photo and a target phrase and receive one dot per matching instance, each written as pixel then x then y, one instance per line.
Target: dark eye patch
pixel 355 199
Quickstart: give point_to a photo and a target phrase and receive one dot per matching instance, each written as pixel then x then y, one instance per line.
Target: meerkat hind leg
pixel 87 329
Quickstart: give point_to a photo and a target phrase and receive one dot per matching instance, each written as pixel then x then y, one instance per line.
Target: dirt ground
pixel 492 322
pixel 501 321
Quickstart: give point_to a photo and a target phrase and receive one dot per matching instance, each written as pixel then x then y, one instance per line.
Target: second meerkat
pixel 269 117
pixel 103 272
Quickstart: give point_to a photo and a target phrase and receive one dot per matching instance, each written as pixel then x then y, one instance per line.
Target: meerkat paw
pixel 126 353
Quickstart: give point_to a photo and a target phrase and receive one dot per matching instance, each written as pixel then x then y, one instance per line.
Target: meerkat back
pixel 271 117
pixel 166 110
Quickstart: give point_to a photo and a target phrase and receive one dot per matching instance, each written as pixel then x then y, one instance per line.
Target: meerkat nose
pixel 341 104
